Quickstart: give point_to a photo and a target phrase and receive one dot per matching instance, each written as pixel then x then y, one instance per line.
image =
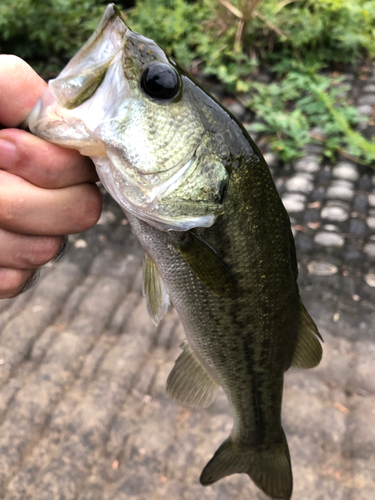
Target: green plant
pixel 357 144
pixel 298 42
pixel 174 24
pixel 47 33
pixel 296 104
pixel 323 30
pixel 295 41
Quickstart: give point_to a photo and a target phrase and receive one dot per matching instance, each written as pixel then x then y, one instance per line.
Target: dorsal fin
pixel 189 383
pixel 157 298
pixel 207 264
pixel 308 351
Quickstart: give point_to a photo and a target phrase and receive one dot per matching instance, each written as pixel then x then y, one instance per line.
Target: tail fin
pixel 270 469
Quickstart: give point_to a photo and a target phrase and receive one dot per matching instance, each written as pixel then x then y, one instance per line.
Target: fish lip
pixel 34 118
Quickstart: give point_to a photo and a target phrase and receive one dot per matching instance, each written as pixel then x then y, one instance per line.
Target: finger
pixel 41 163
pixel 20 88
pixel 29 209
pixel 21 251
pixel 14 281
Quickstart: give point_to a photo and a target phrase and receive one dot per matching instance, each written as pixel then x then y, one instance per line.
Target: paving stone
pixel 318 131
pixel 370 279
pixel 367 100
pixel 307 164
pixel 272 160
pixel 329 239
pixel 313 149
pixel 345 170
pixel 107 217
pixel 334 213
pixel 236 108
pixel 294 202
pixel 321 268
pixel 348 77
pixel 369 89
pixel 369 249
pixel 300 183
pixel 331 227
pixel 340 189
pixel 371 199
pixel 365 109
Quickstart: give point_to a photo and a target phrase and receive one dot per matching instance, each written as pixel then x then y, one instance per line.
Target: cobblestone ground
pixel 83 410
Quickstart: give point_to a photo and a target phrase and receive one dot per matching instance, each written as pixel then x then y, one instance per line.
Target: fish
pixel 217 239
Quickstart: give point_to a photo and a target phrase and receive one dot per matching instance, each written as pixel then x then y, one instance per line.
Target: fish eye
pixel 160 81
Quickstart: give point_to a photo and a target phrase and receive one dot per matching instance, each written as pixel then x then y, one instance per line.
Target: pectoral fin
pixel 308 350
pixel 207 265
pixel 189 383
pixel 157 298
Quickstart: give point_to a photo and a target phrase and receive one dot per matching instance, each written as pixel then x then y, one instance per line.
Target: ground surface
pixel 83 410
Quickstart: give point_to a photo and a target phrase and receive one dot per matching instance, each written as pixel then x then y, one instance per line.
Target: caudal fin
pixel 269 469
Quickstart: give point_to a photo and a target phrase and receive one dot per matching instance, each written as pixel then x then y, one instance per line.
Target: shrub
pixel 232 40
pixel 46 33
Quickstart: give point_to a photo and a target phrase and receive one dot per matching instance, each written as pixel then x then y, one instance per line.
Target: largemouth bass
pixel 217 239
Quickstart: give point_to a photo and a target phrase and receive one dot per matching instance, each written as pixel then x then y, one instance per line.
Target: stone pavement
pixel 83 409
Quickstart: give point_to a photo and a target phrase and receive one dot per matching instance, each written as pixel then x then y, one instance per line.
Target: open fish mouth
pixel 55 116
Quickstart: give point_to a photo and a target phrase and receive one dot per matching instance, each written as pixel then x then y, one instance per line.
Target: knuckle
pixel 44 249
pixel 11 205
pixel 8 212
pixel 13 281
pixel 91 207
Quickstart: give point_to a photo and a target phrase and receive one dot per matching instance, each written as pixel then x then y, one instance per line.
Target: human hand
pixel 46 191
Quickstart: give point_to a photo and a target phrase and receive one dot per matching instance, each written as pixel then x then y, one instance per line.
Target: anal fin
pixel 189 383
pixel 157 298
pixel 308 351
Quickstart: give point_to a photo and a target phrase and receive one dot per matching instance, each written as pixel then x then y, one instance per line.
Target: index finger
pixel 35 160
pixel 20 88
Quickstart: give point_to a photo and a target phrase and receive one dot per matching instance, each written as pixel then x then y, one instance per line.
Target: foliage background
pixel 302 46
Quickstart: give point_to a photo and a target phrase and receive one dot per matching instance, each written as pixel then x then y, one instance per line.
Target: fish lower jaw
pixel 93 149
pixel 148 210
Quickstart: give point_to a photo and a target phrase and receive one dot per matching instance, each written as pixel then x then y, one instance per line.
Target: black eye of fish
pixel 160 81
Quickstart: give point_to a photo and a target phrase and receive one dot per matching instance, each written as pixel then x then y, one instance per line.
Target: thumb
pixel 20 88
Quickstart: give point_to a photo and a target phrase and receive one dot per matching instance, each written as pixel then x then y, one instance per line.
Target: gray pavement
pixel 83 409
